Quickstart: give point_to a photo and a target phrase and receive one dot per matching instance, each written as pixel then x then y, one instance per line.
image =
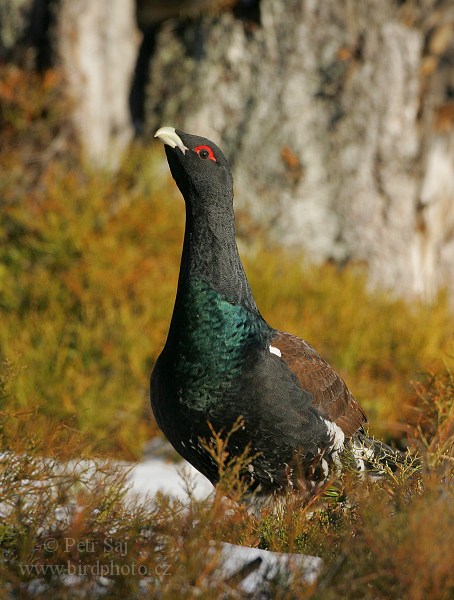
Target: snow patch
pixel 265 566
pixel 156 475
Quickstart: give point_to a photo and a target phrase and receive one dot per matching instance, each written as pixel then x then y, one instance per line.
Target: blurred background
pixel 338 119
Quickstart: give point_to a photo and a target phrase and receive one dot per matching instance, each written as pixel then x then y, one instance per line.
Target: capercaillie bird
pixel 222 360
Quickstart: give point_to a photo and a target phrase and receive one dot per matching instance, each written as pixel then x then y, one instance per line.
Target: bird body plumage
pixel 222 360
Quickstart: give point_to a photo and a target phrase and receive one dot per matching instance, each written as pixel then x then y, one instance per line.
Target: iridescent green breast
pixel 211 341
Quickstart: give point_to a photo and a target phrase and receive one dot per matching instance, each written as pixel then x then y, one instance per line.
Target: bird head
pixel 198 167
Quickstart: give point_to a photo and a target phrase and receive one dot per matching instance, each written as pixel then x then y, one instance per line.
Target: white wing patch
pixel 276 351
pixel 336 434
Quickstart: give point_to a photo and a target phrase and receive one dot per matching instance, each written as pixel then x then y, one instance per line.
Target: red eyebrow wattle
pixel 208 149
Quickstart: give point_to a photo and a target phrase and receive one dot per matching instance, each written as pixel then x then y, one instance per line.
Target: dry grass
pixel 384 539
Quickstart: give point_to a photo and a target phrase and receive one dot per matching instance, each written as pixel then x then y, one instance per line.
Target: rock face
pixel 339 121
pixel 338 117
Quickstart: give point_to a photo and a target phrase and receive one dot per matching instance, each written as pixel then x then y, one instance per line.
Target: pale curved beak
pixel 169 136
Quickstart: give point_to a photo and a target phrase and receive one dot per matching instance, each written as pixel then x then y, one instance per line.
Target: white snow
pixel 156 474
pixel 269 564
pixel 181 480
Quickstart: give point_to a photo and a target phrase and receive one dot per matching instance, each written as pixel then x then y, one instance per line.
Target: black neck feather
pixel 210 252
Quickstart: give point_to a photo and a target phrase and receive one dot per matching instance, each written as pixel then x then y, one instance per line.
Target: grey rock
pixel 338 121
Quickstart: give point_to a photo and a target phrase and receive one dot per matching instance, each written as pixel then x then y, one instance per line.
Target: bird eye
pixel 205 152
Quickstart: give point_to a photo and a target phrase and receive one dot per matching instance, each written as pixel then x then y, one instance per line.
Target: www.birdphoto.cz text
pixel 97 569
pixel 80 549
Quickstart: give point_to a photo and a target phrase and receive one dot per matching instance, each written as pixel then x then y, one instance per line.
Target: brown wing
pixel 331 395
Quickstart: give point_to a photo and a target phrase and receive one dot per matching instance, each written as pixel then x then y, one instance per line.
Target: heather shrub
pixel 71 528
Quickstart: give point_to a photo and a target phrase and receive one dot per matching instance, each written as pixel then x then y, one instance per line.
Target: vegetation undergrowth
pixel 72 529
